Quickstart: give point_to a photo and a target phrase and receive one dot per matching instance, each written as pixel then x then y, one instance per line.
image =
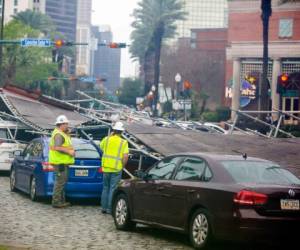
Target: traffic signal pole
pixel 1 38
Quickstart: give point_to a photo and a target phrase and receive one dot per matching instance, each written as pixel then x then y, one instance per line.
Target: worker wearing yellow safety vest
pixel 114 158
pixel 61 155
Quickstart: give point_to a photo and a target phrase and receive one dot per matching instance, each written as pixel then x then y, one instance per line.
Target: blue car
pixel 32 174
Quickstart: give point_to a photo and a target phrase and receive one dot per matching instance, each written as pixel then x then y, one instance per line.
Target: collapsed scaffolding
pixel 145 139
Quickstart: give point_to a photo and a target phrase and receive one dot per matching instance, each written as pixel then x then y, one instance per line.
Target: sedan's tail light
pixel 246 197
pixel 100 170
pixel 47 167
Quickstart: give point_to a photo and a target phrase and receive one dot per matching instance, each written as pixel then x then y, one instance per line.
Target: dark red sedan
pixel 211 195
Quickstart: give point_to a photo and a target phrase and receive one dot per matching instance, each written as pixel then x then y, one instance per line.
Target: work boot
pixel 63 205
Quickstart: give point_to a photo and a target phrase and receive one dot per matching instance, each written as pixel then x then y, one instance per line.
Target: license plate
pixel 81 172
pixel 289 204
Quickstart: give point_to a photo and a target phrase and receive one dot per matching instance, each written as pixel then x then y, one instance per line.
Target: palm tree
pixel 36 20
pixel 154 21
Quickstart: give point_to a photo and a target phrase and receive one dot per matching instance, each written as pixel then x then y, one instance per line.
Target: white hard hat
pixel 61 119
pixel 119 126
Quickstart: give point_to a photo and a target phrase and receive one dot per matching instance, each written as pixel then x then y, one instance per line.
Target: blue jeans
pixel 110 183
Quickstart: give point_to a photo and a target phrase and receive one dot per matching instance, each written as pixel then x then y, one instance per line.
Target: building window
pixel 16 2
pixel 15 10
pixel 193 35
pixel 285 27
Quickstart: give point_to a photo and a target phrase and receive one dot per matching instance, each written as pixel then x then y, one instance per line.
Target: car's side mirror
pixel 17 153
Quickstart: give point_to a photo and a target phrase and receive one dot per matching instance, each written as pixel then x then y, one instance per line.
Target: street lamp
pixel 153 88
pixel 178 79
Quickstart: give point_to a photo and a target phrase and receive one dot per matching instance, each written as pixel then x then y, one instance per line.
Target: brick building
pixel 211 45
pixel 245 49
pixel 199 60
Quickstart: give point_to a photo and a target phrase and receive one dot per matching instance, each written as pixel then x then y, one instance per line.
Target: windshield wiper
pixel 273 167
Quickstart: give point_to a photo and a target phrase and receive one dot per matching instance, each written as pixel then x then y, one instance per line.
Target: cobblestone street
pixel 36 225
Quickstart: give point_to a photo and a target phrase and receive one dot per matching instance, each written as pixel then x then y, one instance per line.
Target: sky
pixel 117 14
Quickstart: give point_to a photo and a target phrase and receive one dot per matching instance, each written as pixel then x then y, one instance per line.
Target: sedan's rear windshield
pixel 259 172
pixel 86 151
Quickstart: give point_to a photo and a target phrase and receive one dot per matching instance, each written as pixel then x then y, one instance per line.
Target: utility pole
pixel 266 7
pixel 1 38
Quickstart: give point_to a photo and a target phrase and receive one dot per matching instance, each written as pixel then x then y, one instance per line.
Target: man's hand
pixel 71 152
pixel 125 159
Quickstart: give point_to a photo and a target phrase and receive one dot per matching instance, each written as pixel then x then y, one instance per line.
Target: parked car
pixel 216 127
pixel 7 149
pixel 8 144
pixel 211 195
pixel 31 173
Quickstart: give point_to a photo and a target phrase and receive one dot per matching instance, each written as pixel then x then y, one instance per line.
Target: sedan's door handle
pixel 191 191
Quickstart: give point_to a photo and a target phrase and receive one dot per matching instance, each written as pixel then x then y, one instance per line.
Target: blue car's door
pixel 32 162
pixel 20 167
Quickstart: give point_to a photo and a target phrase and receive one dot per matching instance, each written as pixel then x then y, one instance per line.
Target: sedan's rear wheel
pixel 200 229
pixel 121 213
pixel 33 196
pixel 13 180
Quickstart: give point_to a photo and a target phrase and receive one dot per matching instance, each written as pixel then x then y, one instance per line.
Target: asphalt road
pixel 36 225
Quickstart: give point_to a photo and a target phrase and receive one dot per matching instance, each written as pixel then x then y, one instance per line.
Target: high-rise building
pixel 84 11
pixel 202 14
pixel 107 61
pixel 12 7
pixel 64 15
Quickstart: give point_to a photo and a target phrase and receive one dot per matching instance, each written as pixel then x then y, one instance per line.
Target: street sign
pixel 182 104
pixel 33 42
pixel 88 79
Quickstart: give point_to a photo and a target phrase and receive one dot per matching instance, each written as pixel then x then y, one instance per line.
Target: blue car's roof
pixel 46 140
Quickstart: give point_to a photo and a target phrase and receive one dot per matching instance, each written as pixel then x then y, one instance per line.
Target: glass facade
pixel 202 14
pixel 107 62
pixel 64 15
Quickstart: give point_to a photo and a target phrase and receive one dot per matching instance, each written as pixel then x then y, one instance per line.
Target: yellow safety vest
pixel 113 149
pixel 56 157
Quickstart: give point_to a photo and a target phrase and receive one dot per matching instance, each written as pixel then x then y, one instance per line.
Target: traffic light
pixel 99 79
pixel 52 78
pixel 117 45
pixel 73 78
pixel 282 83
pixel 59 43
pixel 187 86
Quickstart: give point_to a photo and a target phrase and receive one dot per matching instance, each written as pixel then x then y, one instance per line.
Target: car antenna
pixel 244 155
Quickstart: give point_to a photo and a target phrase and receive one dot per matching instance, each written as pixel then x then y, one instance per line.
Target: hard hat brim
pixel 118 129
pixel 65 122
